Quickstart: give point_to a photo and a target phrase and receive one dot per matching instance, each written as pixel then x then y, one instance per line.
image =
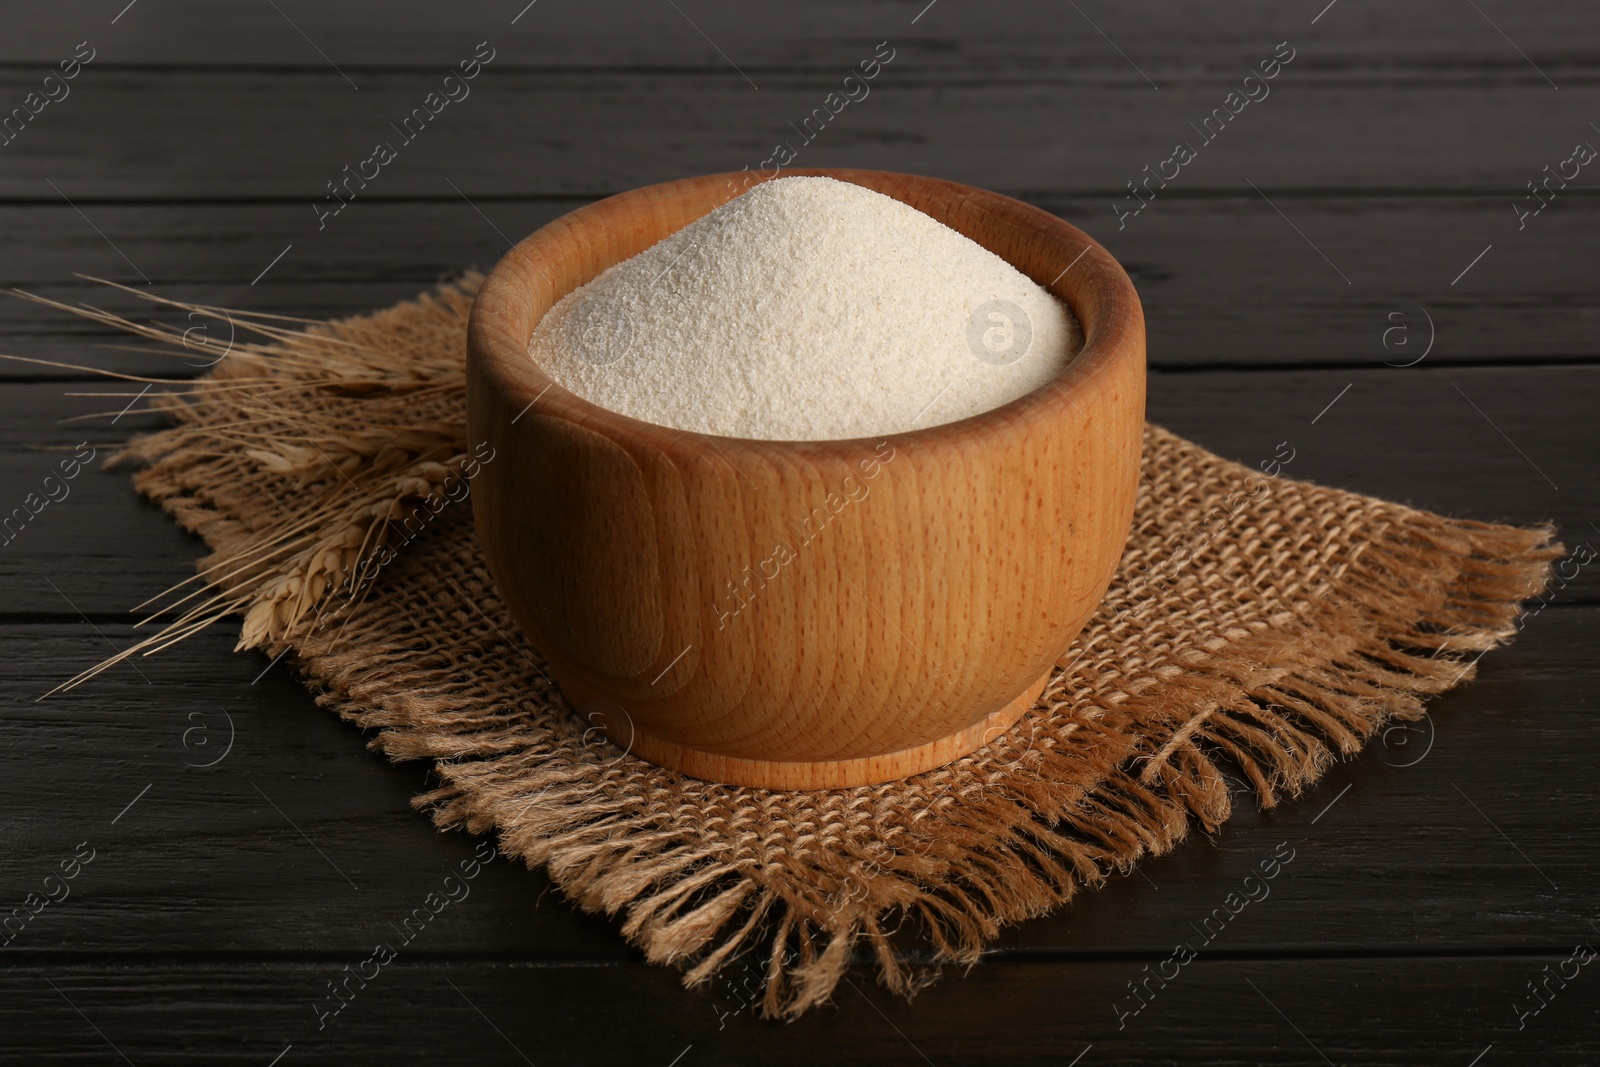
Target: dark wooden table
pixel 1352 265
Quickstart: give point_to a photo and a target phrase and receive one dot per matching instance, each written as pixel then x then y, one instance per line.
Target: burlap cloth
pixel 1259 627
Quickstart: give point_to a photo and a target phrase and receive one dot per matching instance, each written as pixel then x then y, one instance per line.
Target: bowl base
pixel 833 774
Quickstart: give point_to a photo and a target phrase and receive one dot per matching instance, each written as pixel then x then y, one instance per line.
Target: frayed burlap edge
pixel 1267 643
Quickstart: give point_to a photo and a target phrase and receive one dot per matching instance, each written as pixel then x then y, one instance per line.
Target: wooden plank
pixel 284 843
pixel 1387 854
pixel 1223 281
pixel 190 135
pixel 1034 35
pixel 1436 439
pixel 89 543
pixel 107 550
pixel 1267 1012
pixel 1448 831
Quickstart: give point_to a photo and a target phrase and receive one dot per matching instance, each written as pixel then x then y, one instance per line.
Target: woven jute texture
pixel 1258 629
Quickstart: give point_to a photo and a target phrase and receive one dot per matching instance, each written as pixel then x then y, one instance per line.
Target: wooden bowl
pixel 667 579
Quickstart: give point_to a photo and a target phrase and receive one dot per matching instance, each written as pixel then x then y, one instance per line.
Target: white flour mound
pixel 807 309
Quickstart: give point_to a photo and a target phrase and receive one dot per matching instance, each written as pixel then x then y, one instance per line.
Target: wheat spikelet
pixel 372 439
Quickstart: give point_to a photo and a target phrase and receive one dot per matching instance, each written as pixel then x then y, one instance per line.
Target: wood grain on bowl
pixel 803 614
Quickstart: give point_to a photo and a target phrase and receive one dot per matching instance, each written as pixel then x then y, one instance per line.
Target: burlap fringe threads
pixel 1259 627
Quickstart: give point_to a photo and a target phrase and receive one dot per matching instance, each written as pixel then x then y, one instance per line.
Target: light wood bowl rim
pixel 1101 296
